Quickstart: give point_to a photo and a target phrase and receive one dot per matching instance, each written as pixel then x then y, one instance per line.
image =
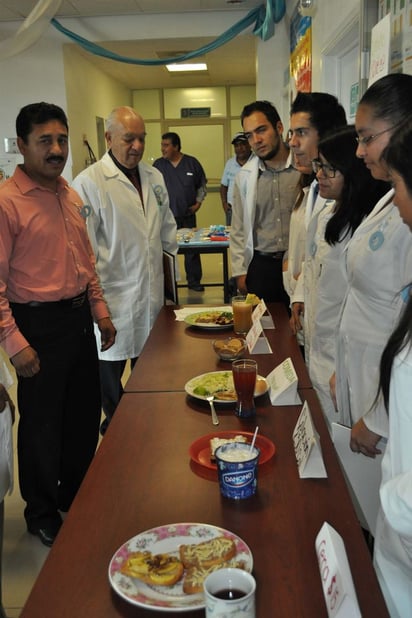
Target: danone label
pixel 239 479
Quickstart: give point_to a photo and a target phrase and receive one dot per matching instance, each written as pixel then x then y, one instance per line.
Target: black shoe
pixel 197 287
pixel 46 533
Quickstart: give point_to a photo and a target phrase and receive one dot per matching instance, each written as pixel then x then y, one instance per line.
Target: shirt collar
pixel 26 184
pixel 289 163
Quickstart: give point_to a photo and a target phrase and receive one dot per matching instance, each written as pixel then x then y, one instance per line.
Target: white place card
pixel 307 447
pixel 335 574
pixel 256 340
pixel 259 315
pixel 283 385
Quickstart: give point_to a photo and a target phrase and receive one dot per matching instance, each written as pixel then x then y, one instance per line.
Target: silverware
pixel 215 420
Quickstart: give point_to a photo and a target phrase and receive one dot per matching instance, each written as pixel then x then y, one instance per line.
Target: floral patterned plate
pixel 166 539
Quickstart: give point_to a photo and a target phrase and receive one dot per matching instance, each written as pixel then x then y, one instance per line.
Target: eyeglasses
pixel 365 141
pixel 327 170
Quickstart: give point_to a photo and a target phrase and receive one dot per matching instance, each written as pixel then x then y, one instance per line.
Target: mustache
pixel 56 159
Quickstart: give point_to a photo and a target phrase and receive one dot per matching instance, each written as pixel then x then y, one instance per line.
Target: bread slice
pixel 195 576
pixel 155 569
pixel 206 554
pixel 216 442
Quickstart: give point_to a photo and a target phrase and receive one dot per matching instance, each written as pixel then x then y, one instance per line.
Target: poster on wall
pixel 300 52
pixel 380 49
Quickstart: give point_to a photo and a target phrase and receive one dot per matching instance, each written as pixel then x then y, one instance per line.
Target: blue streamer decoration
pixel 263 17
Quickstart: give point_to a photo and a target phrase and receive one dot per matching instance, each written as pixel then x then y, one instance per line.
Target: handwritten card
pixel 256 340
pixel 283 385
pixel 307 447
pixel 335 574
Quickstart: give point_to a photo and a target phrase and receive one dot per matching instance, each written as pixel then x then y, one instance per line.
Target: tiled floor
pixel 23 554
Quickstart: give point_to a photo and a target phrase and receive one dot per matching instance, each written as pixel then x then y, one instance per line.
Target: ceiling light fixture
pixel 177 67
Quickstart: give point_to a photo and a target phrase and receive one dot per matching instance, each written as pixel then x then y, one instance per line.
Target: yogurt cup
pixel 237 467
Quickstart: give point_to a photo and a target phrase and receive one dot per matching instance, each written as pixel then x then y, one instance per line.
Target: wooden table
pixel 199 241
pixel 175 352
pixel 142 477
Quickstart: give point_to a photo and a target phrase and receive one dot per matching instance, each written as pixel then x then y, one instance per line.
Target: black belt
pixel 69 303
pixel 277 255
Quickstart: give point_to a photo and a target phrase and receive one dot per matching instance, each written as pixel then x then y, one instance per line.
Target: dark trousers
pixel 264 278
pixel 111 385
pixel 193 265
pixel 59 408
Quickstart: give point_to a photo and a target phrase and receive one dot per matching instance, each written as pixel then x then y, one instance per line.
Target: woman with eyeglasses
pixel 379 267
pixel 393 543
pixel 350 193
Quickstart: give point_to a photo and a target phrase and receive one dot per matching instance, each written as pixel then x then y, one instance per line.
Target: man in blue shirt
pixel 243 153
pixel 186 184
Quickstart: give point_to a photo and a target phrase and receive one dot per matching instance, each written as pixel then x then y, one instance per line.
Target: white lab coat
pixel 295 254
pixel 393 540
pixel 325 285
pixel 6 438
pixel 128 241
pixel 313 205
pixel 379 268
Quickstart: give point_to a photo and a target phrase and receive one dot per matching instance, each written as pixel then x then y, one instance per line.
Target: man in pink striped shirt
pixel 49 297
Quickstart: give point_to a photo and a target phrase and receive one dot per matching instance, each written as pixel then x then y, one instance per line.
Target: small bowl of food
pixel 229 349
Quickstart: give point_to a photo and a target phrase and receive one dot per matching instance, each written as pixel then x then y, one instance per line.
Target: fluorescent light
pixel 180 66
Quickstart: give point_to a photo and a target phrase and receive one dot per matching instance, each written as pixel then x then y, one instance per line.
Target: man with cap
pixel 243 153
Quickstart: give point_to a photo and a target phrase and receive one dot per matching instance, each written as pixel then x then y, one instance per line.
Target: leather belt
pixel 277 255
pixel 69 303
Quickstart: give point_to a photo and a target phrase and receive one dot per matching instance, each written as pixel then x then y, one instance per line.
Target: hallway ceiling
pixel 231 64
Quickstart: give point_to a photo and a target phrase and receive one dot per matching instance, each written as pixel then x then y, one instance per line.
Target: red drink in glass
pixel 244 378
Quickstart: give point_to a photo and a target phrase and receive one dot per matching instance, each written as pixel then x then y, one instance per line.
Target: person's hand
pixel 332 390
pixel 298 311
pixel 26 362
pixel 5 399
pixel 226 206
pixel 241 284
pixel 107 333
pixel 363 440
pixel 194 208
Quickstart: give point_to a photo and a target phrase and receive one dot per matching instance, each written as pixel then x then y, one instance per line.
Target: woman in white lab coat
pixel 393 542
pixel 379 267
pixel 349 193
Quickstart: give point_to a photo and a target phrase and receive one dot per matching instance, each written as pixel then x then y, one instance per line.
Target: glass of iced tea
pixel 244 373
pixel 242 315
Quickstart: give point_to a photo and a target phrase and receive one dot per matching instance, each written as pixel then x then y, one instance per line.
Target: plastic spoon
pixel 215 419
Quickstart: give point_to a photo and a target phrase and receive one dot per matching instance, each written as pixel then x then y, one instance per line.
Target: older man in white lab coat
pixel 129 223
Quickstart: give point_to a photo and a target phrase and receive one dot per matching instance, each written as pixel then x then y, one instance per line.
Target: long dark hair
pixel 360 191
pixel 398 156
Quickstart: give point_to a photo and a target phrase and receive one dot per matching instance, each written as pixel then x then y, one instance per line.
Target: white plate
pixel 166 539
pixel 191 320
pixel 226 379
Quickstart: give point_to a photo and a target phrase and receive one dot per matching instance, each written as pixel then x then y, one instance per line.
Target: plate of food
pixel 220 385
pixel 210 319
pixel 163 568
pixel 203 449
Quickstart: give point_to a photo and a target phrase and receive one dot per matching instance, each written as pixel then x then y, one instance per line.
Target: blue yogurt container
pixel 237 475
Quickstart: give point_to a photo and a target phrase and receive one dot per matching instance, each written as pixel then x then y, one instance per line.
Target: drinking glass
pixel 242 315
pixel 244 373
